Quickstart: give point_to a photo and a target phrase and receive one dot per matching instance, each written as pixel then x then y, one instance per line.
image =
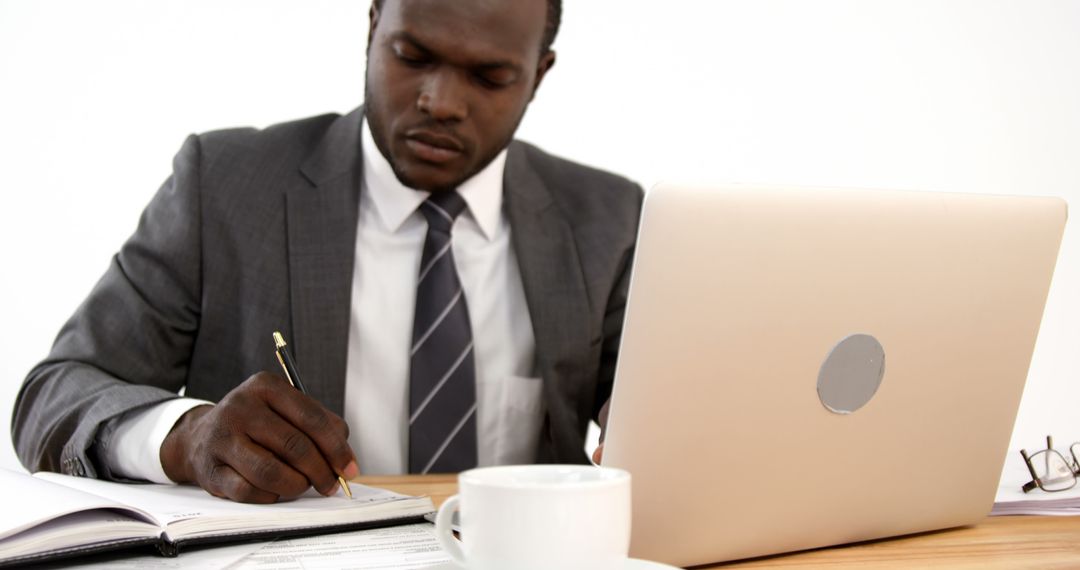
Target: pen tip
pixel 345 486
pixel 279 341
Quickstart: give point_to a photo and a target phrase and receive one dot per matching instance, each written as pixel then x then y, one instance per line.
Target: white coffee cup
pixel 539 517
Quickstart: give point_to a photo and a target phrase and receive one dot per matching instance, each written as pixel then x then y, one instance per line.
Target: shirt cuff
pixel 135 451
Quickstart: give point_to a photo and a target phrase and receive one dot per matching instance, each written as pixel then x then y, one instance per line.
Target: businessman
pixel 451 296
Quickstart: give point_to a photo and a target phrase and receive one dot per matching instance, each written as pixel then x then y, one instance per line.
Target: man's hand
pixel 264 441
pixel 598 454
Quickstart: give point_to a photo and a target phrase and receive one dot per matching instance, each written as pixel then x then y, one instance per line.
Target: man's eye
pixel 413 60
pixel 495 80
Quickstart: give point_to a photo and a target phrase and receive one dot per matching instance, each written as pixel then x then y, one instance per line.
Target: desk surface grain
pixel 996 542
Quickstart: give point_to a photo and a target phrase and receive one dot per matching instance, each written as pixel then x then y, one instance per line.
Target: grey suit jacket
pixel 255 231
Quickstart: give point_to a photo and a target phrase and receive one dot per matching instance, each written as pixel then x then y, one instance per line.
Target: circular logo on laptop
pixel 851 373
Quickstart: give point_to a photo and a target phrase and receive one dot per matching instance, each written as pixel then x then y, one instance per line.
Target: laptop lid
pixel 809 367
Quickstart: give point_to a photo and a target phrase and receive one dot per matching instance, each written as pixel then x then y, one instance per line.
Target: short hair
pixel 551 27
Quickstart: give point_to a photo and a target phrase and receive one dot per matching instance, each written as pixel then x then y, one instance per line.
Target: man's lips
pixel 433 147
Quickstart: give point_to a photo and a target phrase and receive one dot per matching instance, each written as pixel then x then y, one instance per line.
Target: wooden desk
pixel 997 542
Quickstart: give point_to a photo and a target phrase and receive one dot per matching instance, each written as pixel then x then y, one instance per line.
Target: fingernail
pixel 351 470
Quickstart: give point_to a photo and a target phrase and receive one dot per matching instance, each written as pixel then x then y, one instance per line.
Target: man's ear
pixel 373 20
pixel 547 61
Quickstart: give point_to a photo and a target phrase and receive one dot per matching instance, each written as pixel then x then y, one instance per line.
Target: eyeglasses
pixel 1050 470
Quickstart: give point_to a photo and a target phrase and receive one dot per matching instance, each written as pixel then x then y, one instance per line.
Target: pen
pixel 293 377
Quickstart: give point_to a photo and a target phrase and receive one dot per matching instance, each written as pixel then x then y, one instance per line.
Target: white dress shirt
pixel 389 240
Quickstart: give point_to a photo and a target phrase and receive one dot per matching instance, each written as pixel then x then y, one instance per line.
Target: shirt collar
pixel 394 202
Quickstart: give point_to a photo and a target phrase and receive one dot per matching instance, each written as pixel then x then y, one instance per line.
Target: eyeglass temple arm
pixel 1034 483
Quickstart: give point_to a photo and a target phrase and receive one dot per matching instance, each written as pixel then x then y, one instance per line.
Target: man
pixel 458 296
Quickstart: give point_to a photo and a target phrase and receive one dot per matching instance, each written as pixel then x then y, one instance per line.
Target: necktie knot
pixel 442 208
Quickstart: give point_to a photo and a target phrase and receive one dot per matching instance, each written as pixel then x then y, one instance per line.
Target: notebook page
pixel 30 501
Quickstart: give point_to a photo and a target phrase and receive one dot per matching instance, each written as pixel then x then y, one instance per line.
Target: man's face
pixel 448 82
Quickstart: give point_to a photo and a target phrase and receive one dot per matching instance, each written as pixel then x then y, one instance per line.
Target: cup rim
pixel 476 476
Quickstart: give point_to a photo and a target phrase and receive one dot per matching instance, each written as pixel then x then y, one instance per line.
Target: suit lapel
pixel 549 262
pixel 321 226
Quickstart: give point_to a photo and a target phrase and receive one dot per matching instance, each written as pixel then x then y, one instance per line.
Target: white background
pixel 973 95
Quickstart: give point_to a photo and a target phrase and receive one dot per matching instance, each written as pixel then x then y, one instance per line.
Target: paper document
pixel 1011 500
pixel 209 557
pixel 400 548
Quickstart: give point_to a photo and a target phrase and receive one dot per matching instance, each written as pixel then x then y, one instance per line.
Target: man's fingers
pixel 264 470
pixel 264 441
pixel 602 419
pixel 296 449
pixel 329 432
pixel 223 481
pixel 598 453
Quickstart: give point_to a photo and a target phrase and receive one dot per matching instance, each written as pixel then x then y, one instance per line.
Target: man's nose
pixel 443 97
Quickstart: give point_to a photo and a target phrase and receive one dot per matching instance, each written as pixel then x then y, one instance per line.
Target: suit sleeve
pixel 128 345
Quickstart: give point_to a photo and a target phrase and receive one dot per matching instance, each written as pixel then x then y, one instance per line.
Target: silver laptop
pixel 809 367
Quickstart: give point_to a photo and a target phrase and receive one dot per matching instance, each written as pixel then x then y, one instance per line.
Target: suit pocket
pixel 519 416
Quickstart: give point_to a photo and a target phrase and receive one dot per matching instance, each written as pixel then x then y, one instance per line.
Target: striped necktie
pixel 442 375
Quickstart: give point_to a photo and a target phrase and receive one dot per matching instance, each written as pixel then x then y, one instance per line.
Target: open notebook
pixel 49 515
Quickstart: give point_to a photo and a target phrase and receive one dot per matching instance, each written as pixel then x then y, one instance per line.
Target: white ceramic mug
pixel 539 517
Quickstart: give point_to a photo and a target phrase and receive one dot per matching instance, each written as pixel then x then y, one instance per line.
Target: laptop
pixel 809 367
